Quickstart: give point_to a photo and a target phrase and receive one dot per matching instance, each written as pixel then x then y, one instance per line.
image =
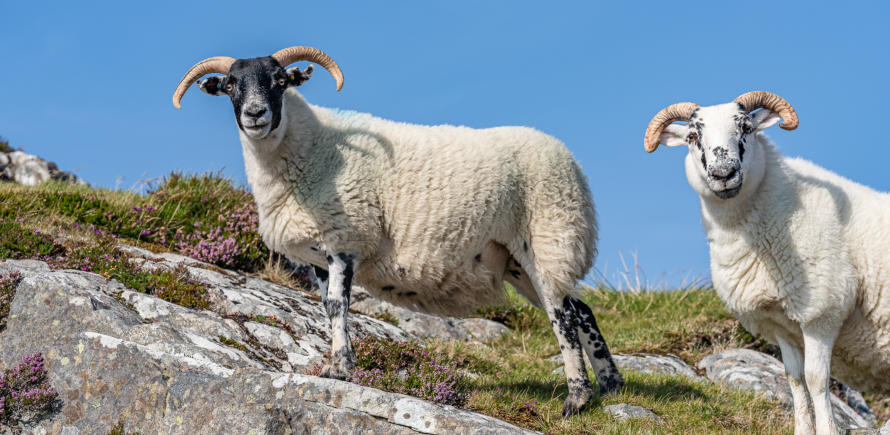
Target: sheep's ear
pixel 212 86
pixel 298 77
pixel 764 119
pixel 674 135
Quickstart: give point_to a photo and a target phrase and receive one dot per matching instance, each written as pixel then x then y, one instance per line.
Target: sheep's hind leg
pixel 336 303
pixel 607 375
pixel 566 331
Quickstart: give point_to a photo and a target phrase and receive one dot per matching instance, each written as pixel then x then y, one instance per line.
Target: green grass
pixel 516 382
pixel 202 215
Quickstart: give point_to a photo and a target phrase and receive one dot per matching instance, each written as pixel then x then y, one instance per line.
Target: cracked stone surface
pixel 651 363
pixel 422 325
pixel 624 412
pixel 118 355
pixel 750 370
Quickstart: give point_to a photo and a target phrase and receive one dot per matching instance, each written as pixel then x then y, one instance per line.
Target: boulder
pixel 116 355
pixel 30 170
pixel 651 363
pixel 624 412
pixel 750 370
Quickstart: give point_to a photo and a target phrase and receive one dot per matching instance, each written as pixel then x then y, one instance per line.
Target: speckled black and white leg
pixel 607 375
pixel 336 303
pixel 580 390
pixel 320 276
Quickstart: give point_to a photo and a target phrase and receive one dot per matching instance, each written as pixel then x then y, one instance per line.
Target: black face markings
pixel 261 79
pixel 402 272
pixel 720 153
pixel 407 294
pixel 695 126
pixel 388 288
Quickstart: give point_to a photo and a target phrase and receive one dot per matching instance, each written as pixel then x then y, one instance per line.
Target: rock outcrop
pixel 30 170
pixel 116 355
pixel 755 371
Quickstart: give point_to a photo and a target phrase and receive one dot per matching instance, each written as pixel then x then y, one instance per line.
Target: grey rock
pixel 117 355
pixel 750 370
pixel 651 363
pixel 30 170
pixel 885 429
pixel 855 400
pixel 624 412
pixel 420 325
pixel 484 329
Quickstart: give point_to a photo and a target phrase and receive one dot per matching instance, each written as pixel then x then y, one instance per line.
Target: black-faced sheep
pixel 429 217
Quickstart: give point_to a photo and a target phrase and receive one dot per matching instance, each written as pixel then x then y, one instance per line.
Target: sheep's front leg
pixel 803 409
pixel 817 345
pixel 336 303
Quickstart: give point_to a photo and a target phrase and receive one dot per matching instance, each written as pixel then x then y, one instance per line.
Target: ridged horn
pixel 216 64
pixel 672 113
pixel 290 55
pixel 761 99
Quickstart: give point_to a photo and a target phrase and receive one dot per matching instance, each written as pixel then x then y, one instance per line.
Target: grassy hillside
pixel 207 218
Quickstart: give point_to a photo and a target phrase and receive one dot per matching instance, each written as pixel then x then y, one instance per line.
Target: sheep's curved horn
pixel 768 100
pixel 674 112
pixel 290 55
pixel 217 64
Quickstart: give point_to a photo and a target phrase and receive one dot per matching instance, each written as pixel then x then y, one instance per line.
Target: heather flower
pixel 406 368
pixel 8 283
pixel 25 391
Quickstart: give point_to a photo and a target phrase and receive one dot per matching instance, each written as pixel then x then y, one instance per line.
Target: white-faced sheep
pixel 799 254
pixel 430 217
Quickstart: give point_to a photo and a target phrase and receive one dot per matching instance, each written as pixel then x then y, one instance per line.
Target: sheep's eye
pixel 746 128
pixel 692 138
pixel 229 87
pixel 282 81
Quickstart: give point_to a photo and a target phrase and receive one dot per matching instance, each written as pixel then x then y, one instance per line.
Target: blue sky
pixel 88 85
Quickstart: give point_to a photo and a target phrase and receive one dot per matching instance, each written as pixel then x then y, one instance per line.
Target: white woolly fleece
pixel 433 213
pixel 805 246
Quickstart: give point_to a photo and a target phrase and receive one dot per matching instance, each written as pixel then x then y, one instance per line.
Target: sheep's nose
pixel 255 111
pixel 724 172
